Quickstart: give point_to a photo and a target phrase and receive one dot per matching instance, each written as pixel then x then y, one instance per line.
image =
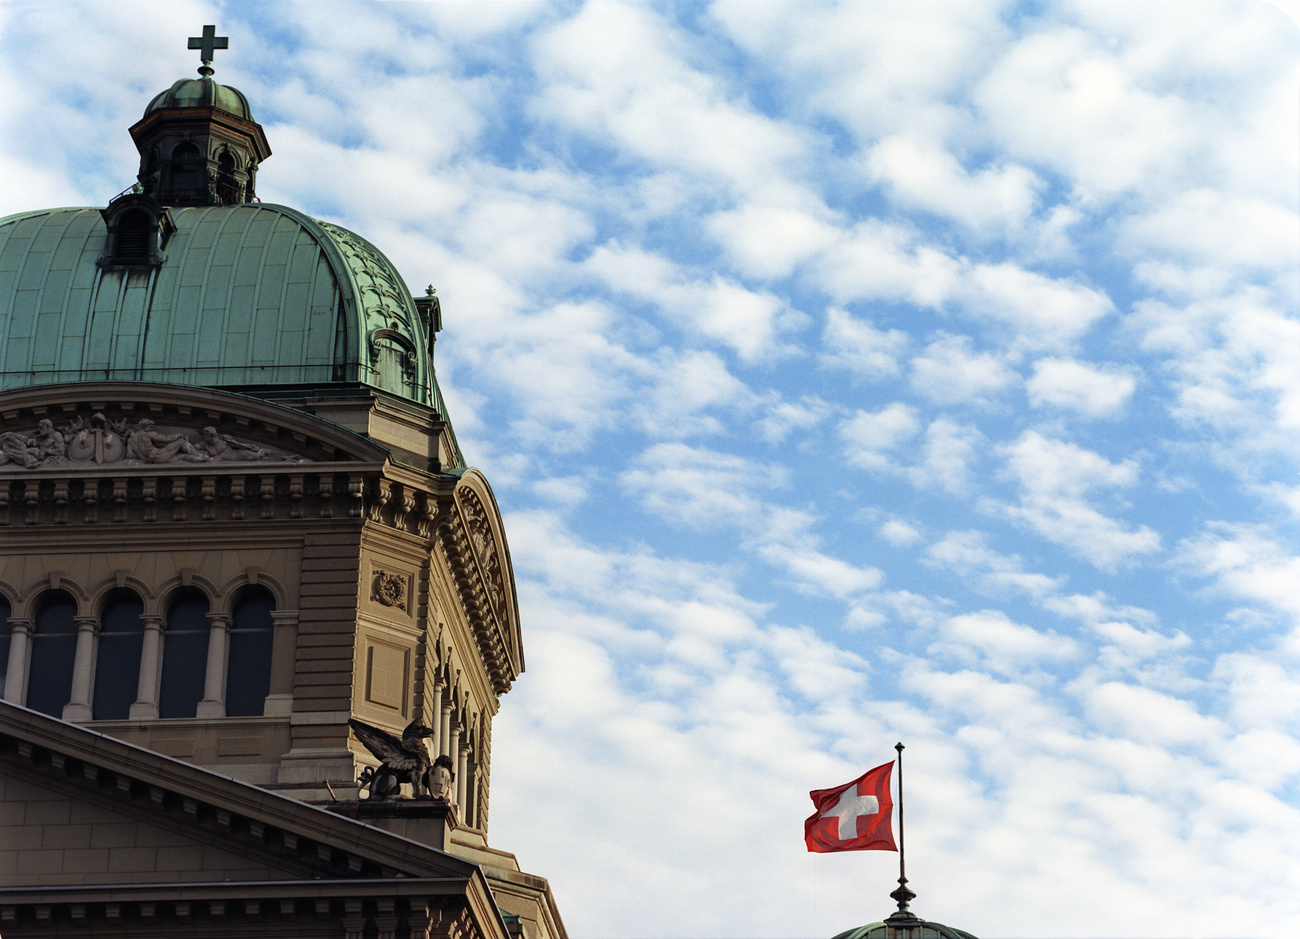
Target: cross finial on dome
pixel 207 44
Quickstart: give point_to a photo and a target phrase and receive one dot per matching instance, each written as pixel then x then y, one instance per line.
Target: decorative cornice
pixel 472 556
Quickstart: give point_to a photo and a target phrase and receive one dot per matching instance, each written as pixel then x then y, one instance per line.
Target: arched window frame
pixel 53 654
pixel 118 655
pixel 248 673
pixel 184 663
pixel 119 253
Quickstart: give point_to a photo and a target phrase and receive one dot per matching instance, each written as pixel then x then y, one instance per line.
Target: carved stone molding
pixel 484 547
pixel 98 441
pixel 463 537
pixel 195 494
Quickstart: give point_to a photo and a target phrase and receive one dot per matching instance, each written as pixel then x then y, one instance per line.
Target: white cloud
pixel 1076 386
pixel 946 456
pixel 688 392
pixel 860 347
pixel 899 533
pixel 1147 715
pixel 993 199
pixel 947 372
pixel 1055 477
pixel 698 487
pixel 1059 98
pixel 1245 562
pixel 992 640
pixel 721 309
pixel 781 418
pixel 870 436
pixel 618 72
pixel 968 554
pixel 1215 229
pixel 769 241
pixel 1045 312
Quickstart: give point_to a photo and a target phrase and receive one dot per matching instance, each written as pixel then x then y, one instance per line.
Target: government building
pixel 235 524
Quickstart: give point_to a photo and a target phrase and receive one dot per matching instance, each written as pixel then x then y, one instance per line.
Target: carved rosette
pixel 389 589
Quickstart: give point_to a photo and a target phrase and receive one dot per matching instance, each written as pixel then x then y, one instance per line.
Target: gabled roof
pixel 295 856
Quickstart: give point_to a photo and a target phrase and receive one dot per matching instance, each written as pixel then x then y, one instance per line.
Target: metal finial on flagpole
pixel 902 894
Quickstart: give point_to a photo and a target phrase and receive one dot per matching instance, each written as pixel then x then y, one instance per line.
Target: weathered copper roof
pixel 201 93
pixel 251 294
pixel 916 929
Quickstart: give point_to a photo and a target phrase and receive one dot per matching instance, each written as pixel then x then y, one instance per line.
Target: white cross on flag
pixel 854 816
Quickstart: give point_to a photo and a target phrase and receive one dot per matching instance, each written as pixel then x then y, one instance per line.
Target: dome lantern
pixel 198 142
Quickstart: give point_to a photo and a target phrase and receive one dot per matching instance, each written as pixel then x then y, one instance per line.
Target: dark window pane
pixel 54 649
pixel 4 641
pixel 249 675
pixel 185 656
pixel 117 664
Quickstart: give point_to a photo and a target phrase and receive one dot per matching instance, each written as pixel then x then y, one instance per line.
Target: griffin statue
pixel 403 760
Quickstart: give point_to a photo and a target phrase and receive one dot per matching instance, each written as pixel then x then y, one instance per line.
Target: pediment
pixel 90 809
pixel 87 426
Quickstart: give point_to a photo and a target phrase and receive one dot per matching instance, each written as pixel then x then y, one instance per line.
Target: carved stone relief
pixel 98 440
pixel 483 546
pixel 389 589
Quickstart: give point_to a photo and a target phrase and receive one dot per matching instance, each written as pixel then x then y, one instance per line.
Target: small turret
pixel 198 142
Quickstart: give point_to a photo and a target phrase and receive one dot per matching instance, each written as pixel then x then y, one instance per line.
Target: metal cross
pixel 208 43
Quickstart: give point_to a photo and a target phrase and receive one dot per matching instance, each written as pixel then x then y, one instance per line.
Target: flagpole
pixel 902 894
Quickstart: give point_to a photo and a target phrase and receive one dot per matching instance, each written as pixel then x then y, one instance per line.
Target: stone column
pixel 20 652
pixel 83 670
pixel 444 735
pixel 453 747
pixel 214 683
pixel 284 651
pixel 146 695
pixel 435 742
pixel 462 783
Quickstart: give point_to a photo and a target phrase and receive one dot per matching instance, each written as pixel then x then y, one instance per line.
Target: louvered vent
pixel 133 238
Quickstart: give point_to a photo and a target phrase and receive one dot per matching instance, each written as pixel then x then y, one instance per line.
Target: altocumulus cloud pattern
pixel 847 373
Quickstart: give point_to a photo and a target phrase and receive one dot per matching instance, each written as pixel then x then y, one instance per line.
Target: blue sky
pixel 846 374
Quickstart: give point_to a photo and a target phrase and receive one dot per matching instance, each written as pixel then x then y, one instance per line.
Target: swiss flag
pixel 854 816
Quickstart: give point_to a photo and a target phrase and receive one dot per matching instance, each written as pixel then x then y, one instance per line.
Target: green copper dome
pixel 907 929
pixel 240 295
pixel 201 93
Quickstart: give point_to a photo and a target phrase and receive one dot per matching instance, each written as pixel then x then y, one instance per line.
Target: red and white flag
pixel 854 816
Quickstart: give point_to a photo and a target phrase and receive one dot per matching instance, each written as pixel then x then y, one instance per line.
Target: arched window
pixel 185 655
pixel 4 642
pixel 248 680
pixel 393 361
pixel 133 237
pixel 149 174
pixel 228 189
pixel 117 663
pixel 54 650
pixel 187 175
